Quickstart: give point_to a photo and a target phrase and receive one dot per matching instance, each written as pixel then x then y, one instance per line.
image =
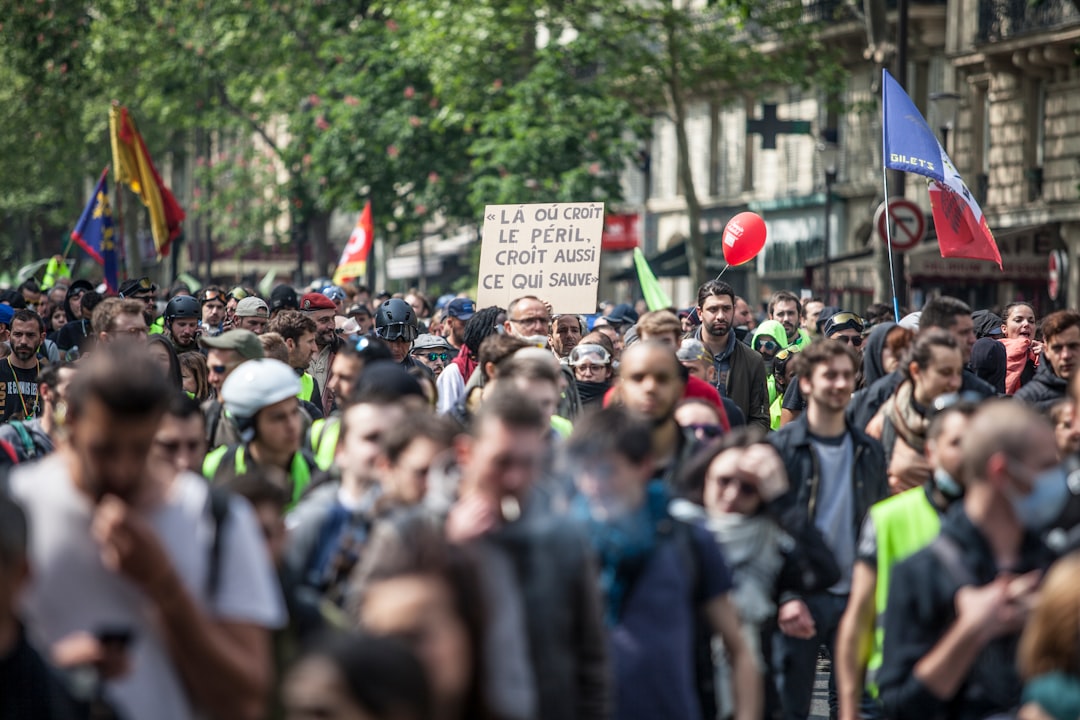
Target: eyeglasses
pixel 531 321
pixel 769 346
pixel 130 332
pixel 948 400
pixel 432 357
pixel 708 431
pixel 588 369
pixel 851 340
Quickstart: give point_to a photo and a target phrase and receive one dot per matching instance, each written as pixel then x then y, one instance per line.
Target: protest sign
pixel 551 251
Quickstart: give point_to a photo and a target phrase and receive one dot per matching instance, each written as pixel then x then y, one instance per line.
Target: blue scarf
pixel 623 545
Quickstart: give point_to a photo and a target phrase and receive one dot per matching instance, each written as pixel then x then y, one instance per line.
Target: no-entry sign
pixel 908 223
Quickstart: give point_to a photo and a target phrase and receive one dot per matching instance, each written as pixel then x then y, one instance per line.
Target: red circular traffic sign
pixel 908 223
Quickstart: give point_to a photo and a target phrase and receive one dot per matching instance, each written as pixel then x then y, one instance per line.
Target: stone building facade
pixel 1015 139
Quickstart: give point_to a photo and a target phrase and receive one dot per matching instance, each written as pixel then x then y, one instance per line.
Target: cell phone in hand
pixel 118 636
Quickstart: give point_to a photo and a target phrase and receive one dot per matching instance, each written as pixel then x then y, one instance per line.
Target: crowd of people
pixel 337 504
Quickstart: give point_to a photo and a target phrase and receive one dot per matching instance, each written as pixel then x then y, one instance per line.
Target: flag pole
pixel 888 239
pixel 120 227
pixel 885 183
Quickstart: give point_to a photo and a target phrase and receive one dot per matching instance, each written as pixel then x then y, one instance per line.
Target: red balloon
pixel 743 238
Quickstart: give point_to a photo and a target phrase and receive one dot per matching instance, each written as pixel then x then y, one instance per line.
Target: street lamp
pixel 830 155
pixel 946 105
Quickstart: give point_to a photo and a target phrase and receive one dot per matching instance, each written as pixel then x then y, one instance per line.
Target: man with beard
pixel 787 310
pixel 298 331
pixel 322 311
pixel 182 323
pixel 19 372
pixel 740 372
pixel 565 334
pixel 458 312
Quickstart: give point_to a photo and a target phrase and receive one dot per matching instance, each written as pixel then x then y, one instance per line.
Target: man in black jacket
pixel 1061 338
pixel 943 312
pixel 836 472
pixel 956 608
pixel 740 371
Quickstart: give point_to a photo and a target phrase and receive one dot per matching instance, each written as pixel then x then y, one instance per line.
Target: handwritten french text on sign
pixel 551 251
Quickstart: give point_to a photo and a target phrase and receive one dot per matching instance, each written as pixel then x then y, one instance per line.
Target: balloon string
pixel 722 271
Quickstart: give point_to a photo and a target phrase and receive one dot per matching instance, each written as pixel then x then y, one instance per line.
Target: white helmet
pixel 257 384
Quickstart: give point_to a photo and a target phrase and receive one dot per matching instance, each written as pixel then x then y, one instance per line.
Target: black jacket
pixel 745 383
pixel 868 478
pixel 866 402
pixel 922 607
pixel 1043 390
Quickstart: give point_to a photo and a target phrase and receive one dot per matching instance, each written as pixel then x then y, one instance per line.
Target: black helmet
pixel 182 306
pixel 396 320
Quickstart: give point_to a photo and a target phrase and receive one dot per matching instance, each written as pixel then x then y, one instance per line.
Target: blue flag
pixel 94 232
pixel 908 142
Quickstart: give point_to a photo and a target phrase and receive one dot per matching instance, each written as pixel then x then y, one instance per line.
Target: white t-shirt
pixel 71 590
pixel 451 386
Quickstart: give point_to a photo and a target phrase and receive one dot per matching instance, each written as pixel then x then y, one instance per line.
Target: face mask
pixel 1038 510
pixel 948 486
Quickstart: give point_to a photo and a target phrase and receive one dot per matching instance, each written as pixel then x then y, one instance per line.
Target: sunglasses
pixel 856 341
pixel 432 357
pixel 786 354
pixel 706 430
pixel 769 346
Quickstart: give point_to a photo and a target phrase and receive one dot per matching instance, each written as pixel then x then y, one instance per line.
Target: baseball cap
pixel 358 309
pixel 461 308
pixel 284 297
pixel 316 301
pixel 622 314
pixel 252 307
pixel 693 350
pixel 334 293
pixel 427 341
pixel 7 314
pixel 386 381
pixel 244 342
pixel 987 324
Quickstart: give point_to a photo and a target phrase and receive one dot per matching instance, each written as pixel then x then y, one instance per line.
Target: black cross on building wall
pixel 769 126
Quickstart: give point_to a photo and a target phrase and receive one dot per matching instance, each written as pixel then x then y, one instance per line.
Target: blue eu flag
pixel 94 232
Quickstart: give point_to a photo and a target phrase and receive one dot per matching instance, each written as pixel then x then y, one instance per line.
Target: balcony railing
pixel 830 11
pixel 1002 19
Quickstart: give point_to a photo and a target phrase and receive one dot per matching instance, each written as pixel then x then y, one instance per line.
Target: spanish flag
pixel 133 166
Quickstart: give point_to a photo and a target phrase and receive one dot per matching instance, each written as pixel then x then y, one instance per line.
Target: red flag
pixel 133 166
pixel 353 262
pixel 962 229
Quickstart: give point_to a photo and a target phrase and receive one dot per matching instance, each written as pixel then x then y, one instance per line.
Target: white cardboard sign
pixel 551 251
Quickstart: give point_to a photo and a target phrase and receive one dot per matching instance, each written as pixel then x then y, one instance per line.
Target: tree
pixel 666 54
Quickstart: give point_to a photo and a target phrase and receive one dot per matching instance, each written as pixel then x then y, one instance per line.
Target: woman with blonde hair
pixel 1049 652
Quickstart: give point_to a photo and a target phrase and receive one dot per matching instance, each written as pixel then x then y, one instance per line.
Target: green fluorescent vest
pixel 905 524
